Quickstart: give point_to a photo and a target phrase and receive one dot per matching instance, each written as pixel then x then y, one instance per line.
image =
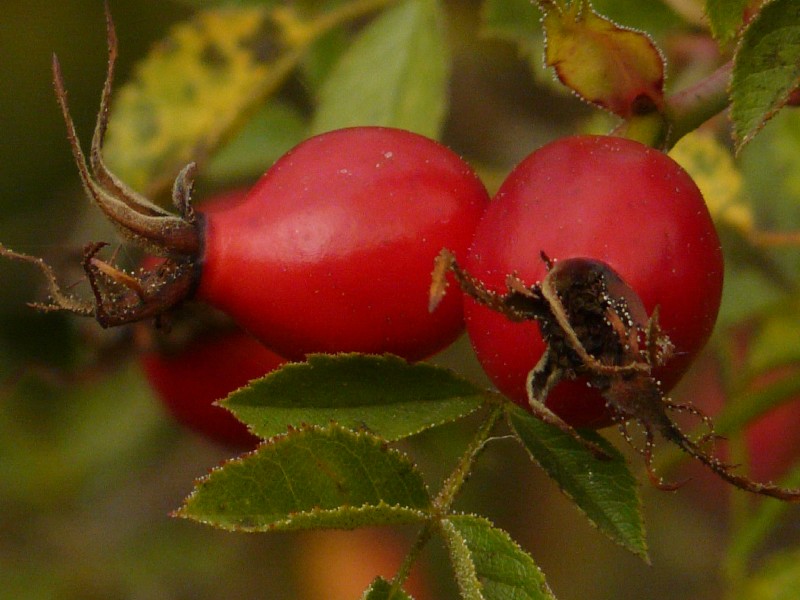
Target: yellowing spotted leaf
pixel 712 167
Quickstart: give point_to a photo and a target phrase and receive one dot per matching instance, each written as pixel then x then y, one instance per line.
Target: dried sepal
pixel 58 298
pixel 139 220
pixel 120 297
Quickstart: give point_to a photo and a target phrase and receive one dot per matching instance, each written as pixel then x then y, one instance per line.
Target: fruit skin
pixel 333 248
pixel 608 199
pixel 207 369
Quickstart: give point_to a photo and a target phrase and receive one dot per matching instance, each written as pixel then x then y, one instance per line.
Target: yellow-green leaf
pixel 192 90
pixel 395 74
pixel 725 17
pixel 615 68
pixel 270 133
pixel 712 167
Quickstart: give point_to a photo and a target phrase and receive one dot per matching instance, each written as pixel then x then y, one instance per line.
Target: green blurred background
pixel 90 466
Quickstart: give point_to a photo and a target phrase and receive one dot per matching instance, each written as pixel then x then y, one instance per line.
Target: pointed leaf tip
pixel 382 394
pixel 766 68
pixel 311 478
pixel 604 490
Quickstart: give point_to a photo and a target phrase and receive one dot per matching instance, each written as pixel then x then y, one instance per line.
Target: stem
pixel 688 109
pixel 775 239
pixel 458 477
pixel 682 113
pixel 413 554
pixel 441 504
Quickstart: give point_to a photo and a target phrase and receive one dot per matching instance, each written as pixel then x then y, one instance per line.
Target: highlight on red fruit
pixel 619 203
pixel 331 250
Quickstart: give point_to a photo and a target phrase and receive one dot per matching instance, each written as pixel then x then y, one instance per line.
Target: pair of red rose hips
pixel 332 250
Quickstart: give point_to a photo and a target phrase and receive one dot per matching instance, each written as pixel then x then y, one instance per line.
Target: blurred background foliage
pixel 91 466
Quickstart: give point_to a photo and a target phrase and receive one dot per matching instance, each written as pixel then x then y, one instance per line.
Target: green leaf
pixel 193 90
pixel 395 74
pixel 615 68
pixel 488 564
pixel 308 479
pixel 725 17
pixel 273 130
pixel 383 394
pixel 380 589
pixel 712 168
pixel 766 68
pixel 604 490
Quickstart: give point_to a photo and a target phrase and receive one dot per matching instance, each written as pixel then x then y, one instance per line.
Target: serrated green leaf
pixel 271 132
pixel 488 564
pixel 380 589
pixel 766 68
pixel 725 17
pixel 395 74
pixel 604 490
pixel 382 394
pixel 309 479
pixel 193 89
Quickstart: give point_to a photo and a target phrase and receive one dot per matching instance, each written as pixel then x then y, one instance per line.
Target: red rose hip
pixel 611 200
pixel 332 249
pixel 190 380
